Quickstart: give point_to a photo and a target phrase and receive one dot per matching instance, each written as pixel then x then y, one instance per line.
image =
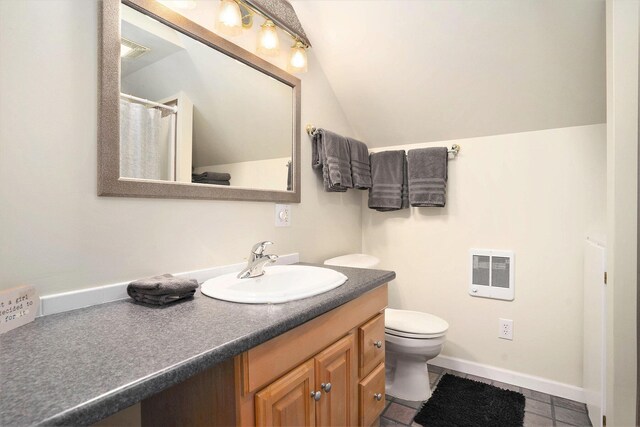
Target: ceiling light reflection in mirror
pixel 192 114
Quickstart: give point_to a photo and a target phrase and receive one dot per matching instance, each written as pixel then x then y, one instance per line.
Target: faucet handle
pixel 259 248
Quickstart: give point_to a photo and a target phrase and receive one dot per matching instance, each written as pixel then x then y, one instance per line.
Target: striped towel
pixel 389 181
pixel 360 166
pixel 330 152
pixel 428 177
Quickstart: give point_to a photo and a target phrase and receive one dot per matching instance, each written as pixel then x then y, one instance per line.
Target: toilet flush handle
pixel 378 344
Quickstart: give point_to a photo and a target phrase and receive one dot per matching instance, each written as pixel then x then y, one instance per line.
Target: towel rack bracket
pixel 311 129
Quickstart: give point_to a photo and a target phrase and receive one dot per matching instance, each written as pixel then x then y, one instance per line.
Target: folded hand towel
pixel 218 176
pixel 388 175
pixel 331 152
pixel 360 166
pixel 428 176
pixel 212 181
pixel 159 299
pixel 161 289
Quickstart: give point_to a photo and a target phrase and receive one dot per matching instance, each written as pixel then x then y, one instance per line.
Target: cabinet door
pixel 371 336
pixel 288 401
pixel 372 396
pixel 335 368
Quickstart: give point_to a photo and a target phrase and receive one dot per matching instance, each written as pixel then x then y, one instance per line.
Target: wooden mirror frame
pixel 109 181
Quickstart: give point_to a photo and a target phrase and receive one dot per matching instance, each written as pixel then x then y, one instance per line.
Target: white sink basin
pixel 280 283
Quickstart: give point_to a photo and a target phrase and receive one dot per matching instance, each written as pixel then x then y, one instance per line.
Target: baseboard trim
pixel 511 377
pixel 67 301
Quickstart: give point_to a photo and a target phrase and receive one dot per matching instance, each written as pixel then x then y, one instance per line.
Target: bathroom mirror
pixel 187 114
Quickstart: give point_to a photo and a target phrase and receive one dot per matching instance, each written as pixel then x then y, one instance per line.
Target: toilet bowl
pixel 411 339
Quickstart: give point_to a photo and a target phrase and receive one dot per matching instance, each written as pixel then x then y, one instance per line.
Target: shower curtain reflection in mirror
pixel 147 142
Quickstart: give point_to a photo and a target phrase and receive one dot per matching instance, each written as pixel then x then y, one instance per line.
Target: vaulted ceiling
pixel 407 71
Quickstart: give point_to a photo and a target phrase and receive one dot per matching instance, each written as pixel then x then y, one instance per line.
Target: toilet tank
pixel 354 260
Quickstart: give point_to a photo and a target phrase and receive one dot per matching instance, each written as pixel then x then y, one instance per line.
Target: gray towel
pixel 162 289
pixel 388 175
pixel 160 299
pixel 428 177
pixel 331 152
pixel 216 176
pixel 360 166
pixel 212 181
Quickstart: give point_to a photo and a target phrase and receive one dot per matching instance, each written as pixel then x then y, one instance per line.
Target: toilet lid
pixel 414 324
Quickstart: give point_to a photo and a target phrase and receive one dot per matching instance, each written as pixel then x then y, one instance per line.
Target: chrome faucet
pixel 257 261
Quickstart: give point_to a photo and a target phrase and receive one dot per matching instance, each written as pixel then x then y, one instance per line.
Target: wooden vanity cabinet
pixel 318 392
pixel 285 381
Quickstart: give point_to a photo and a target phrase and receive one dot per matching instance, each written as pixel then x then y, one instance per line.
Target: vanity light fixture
pixel 229 20
pixel 298 58
pixel 268 43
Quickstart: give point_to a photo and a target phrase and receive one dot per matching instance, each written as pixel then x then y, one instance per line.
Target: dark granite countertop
pixel 78 367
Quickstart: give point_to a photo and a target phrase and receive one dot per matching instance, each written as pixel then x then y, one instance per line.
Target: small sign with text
pixel 18 306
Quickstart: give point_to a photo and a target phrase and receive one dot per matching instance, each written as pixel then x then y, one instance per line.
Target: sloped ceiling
pixel 410 71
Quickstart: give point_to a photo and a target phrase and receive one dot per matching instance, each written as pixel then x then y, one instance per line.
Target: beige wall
pixel 57 234
pixel 447 69
pixel 536 193
pixel 266 174
pixel 623 19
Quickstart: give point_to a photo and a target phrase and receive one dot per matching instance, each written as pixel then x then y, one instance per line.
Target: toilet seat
pixel 412 336
pixel 414 324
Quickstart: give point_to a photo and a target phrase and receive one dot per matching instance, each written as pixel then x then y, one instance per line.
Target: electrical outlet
pixel 283 215
pixel 506 329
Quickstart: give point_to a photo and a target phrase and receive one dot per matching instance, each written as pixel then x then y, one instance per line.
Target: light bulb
pixel 268 43
pixel 229 18
pixel 298 58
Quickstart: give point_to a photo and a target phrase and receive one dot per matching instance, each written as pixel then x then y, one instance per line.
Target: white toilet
pixel 411 338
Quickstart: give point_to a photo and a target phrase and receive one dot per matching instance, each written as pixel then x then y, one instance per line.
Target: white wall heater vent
pixel 492 274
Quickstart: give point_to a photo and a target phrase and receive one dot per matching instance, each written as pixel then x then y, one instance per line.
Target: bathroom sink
pixel 280 283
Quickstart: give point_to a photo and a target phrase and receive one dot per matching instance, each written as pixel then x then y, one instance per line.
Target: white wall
pixel 268 174
pixel 536 193
pixel 447 69
pixel 57 234
pixel 623 20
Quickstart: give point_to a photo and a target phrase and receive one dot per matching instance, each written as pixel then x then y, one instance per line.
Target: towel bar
pixel 455 148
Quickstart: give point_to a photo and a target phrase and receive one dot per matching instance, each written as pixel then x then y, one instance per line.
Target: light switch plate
pixel 283 215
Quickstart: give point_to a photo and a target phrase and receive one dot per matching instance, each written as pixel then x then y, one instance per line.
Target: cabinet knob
pixel 378 396
pixel 326 387
pixel 316 395
pixel 378 344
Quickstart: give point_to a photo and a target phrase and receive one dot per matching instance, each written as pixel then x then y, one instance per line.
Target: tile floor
pixel 540 409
